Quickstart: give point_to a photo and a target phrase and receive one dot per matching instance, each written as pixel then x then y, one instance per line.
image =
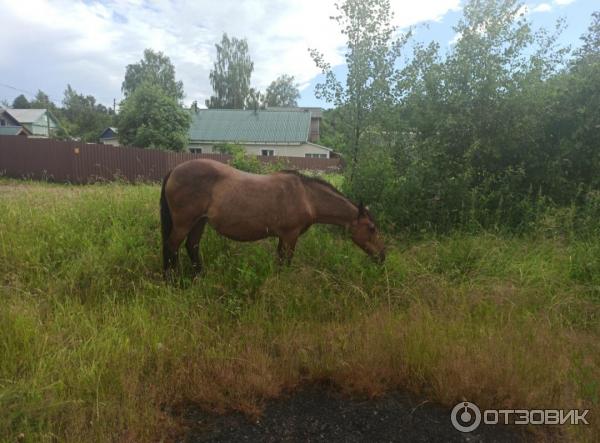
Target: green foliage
pixel 283 92
pixel 255 99
pixel 331 132
pixel 154 68
pixel 245 162
pixel 42 101
pixel 150 118
pixel 83 117
pixel 21 102
pixel 590 50
pixel 230 76
pixel 226 148
pixel 242 160
pixel 494 134
pixel 372 51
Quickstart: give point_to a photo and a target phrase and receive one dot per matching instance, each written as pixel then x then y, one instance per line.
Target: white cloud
pixel 547 7
pixel 457 36
pixel 532 9
pixel 48 44
pixel 542 7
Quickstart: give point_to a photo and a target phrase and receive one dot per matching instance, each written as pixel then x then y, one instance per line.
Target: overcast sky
pixel 49 43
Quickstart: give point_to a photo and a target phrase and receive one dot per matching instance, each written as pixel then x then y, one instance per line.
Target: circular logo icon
pixel 465 417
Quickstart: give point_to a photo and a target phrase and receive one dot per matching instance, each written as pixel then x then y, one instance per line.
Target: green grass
pixel 94 346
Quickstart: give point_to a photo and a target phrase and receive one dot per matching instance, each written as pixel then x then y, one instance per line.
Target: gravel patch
pixel 320 415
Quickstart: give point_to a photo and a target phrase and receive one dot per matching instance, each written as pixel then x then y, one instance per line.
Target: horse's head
pixel 366 236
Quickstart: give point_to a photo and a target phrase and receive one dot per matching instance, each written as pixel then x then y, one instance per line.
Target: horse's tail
pixel 166 221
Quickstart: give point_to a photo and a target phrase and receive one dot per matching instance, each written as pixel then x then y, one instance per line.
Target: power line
pixel 31 94
pixel 52 98
pixel 17 89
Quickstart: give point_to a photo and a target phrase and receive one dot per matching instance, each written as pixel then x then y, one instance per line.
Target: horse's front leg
pixel 286 247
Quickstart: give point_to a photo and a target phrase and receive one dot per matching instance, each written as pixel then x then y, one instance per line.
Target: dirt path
pixel 314 415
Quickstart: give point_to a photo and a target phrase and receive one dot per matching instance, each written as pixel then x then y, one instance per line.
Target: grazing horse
pixel 248 207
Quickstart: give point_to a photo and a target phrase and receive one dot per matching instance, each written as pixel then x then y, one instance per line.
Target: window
pixel 196 150
pixel 315 155
pixel 267 152
pixel 2 122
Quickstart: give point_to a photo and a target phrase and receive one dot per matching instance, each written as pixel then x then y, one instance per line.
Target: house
pixel 38 122
pixel 14 130
pixel 316 114
pixel 289 132
pixel 110 136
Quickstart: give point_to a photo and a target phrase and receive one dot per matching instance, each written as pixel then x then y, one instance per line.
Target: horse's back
pixel 238 204
pixel 192 169
pixel 250 206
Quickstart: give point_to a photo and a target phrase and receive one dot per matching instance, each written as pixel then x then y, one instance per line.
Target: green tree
pixel 230 76
pixel 42 101
pixel 151 118
pixel 488 116
pixel 283 91
pixel 372 51
pixel 479 136
pixel 82 117
pixel 473 123
pixel 330 133
pixel 574 122
pixel 591 40
pixel 21 102
pixel 255 100
pixel 155 68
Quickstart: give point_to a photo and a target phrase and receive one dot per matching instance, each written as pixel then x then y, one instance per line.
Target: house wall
pixel 7 120
pixel 110 141
pixel 297 150
pixel 39 128
pixel 315 124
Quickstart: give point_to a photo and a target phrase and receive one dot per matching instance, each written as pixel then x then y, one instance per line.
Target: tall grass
pixel 94 346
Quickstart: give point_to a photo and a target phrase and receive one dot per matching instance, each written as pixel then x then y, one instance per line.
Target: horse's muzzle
pixel 379 258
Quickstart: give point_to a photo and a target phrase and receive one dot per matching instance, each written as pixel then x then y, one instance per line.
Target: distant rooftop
pixel 12 130
pixel 25 115
pixel 110 132
pixel 315 112
pixel 236 125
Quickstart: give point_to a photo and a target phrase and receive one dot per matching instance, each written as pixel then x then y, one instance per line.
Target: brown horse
pixel 248 207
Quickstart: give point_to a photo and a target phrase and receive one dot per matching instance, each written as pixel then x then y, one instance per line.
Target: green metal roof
pixel 10 130
pixel 236 125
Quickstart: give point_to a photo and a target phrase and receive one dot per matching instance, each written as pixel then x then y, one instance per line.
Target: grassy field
pixel 94 346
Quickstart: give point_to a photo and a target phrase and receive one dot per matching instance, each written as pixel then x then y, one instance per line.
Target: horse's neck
pixel 330 207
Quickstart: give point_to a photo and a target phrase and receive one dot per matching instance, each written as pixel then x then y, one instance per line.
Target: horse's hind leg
pixel 171 248
pixel 192 245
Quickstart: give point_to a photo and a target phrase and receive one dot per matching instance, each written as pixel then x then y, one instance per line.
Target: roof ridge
pixel 249 110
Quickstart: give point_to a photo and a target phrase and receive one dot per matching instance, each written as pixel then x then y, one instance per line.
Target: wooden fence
pixel 75 162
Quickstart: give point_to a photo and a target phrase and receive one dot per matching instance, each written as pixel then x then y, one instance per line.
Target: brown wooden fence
pixel 74 162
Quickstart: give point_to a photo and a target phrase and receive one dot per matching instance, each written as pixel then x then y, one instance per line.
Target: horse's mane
pixel 320 181
pixel 308 179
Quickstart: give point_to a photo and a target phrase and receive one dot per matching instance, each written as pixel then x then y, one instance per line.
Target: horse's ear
pixel 361 209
